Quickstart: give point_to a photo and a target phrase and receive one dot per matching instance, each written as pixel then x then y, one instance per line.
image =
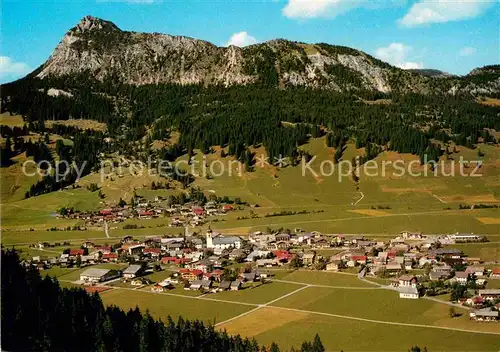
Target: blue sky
pixel 451 35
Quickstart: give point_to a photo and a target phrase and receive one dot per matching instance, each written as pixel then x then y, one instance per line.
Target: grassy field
pixel 30 223
pixel 258 294
pixel 325 278
pixel 291 328
pixel 380 304
pixel 493 283
pixel 297 317
pixel 12 237
pixel 489 251
pixel 159 275
pixel 293 319
pixel 306 312
pixel 162 305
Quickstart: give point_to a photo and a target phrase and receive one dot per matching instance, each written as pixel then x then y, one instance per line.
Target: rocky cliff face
pixel 481 81
pixel 101 49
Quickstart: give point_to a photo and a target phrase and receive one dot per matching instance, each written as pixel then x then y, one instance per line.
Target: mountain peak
pixel 100 49
pixel 90 23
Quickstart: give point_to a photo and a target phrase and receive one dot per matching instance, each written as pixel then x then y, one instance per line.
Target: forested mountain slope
pixel 278 94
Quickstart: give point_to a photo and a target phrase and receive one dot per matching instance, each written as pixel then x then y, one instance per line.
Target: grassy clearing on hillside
pixel 370 212
pixel 14 182
pixel 377 304
pixel 489 101
pixel 161 306
pixel 82 124
pixel 327 253
pixel 119 183
pixel 41 210
pixel 13 236
pixel 11 120
pixel 290 329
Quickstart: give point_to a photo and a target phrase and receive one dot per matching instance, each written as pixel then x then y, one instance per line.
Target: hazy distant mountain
pixel 431 73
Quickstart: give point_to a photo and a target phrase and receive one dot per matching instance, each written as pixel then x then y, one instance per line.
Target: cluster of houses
pixel 382 258
pixel 313 240
pixel 487 303
pixel 170 250
pixel 406 285
pixel 214 281
pixel 187 214
pixel 200 259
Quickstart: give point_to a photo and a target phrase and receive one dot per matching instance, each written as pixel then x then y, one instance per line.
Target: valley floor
pixel 349 314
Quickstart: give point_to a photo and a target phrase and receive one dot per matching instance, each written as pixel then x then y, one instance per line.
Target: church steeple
pixel 209 236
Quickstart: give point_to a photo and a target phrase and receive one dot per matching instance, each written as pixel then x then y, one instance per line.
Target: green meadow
pixel 290 328
pixel 378 204
pixel 161 305
pixel 315 277
pixel 257 293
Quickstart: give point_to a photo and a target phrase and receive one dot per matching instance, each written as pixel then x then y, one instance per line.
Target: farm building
pixel 266 262
pixel 490 294
pixel 224 285
pixel 495 273
pixel 98 275
pixel 222 242
pixel 309 258
pixel 410 292
pixel 132 249
pixel 250 277
pixel 132 271
pixel 206 284
pixel 109 257
pixel 461 277
pixel 334 266
pixel 196 285
pixel 153 252
pixel 235 285
pixel 475 270
pixel 204 265
pixel 437 275
pixel 407 280
pixel 191 275
pixel 158 288
pixel 485 314
pixel 75 252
